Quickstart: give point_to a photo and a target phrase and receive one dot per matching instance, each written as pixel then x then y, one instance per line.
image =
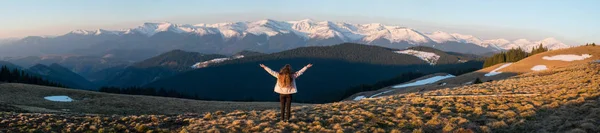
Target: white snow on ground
pixel 432 58
pixel 238 56
pixel 567 57
pixel 424 81
pixel 495 71
pixel 214 61
pixel 359 98
pixel 206 63
pixel 417 83
pixel 539 68
pixel 59 98
pixel 468 83
pixel 388 91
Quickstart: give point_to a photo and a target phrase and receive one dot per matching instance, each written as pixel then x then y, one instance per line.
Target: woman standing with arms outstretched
pixel 286 86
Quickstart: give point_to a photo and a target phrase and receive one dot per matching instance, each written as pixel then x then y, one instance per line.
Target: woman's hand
pixel 309 65
pixel 262 65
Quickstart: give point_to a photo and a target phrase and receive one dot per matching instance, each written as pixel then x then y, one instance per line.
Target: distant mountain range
pixel 7 40
pixel 60 74
pixel 9 65
pixel 266 36
pixel 54 73
pixel 83 65
pixel 146 71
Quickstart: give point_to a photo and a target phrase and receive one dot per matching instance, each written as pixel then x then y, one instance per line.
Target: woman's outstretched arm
pixel 298 73
pixel 273 73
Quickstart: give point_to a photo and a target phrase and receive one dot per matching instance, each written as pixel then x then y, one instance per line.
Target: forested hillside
pixel 512 55
pixel 19 76
pixel 177 60
pixel 336 69
pixel 60 74
pixel 146 71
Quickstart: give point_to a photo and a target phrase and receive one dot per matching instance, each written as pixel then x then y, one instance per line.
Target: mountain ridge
pixel 309 29
pixel 265 36
pixel 161 66
pixel 57 73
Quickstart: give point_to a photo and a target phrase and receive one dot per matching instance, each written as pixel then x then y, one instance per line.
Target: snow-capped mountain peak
pixel 551 43
pixel 309 29
pixel 496 41
pixel 467 38
pixel 550 40
pixel 522 41
pixel 150 29
pixel 440 37
pixel 267 22
pixel 399 34
pixel 304 20
pixel 94 32
pixel 99 32
pixel 81 32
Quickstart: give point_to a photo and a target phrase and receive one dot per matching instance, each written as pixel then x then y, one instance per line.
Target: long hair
pixel 285 78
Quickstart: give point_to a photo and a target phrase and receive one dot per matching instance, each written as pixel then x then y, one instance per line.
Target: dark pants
pixel 286 103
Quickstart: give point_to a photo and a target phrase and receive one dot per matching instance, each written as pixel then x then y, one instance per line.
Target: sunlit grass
pixel 566 101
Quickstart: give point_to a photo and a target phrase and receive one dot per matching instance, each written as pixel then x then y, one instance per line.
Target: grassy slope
pixel 559 100
pixel 514 69
pixel 31 98
pixel 526 64
pixel 450 82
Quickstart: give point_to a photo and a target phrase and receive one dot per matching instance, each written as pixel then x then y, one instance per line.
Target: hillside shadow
pixel 325 82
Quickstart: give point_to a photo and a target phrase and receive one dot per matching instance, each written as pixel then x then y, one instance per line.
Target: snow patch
pixel 567 57
pixel 416 83
pixel 539 68
pixel 359 98
pixel 495 71
pixel 432 58
pixel 59 98
pixel 238 56
pixel 468 83
pixel 206 63
pixel 425 81
pixel 443 84
pixel 388 91
pixel 214 61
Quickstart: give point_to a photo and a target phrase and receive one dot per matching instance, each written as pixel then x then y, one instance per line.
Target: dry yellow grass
pixel 514 69
pixel 457 81
pixel 568 101
pixel 525 65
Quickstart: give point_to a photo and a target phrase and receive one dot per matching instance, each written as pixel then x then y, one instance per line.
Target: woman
pixel 286 86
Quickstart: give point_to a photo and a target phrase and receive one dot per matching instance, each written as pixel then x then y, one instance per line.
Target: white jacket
pixel 285 90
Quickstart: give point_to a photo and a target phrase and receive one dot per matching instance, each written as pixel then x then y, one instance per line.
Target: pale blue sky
pixel 571 21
